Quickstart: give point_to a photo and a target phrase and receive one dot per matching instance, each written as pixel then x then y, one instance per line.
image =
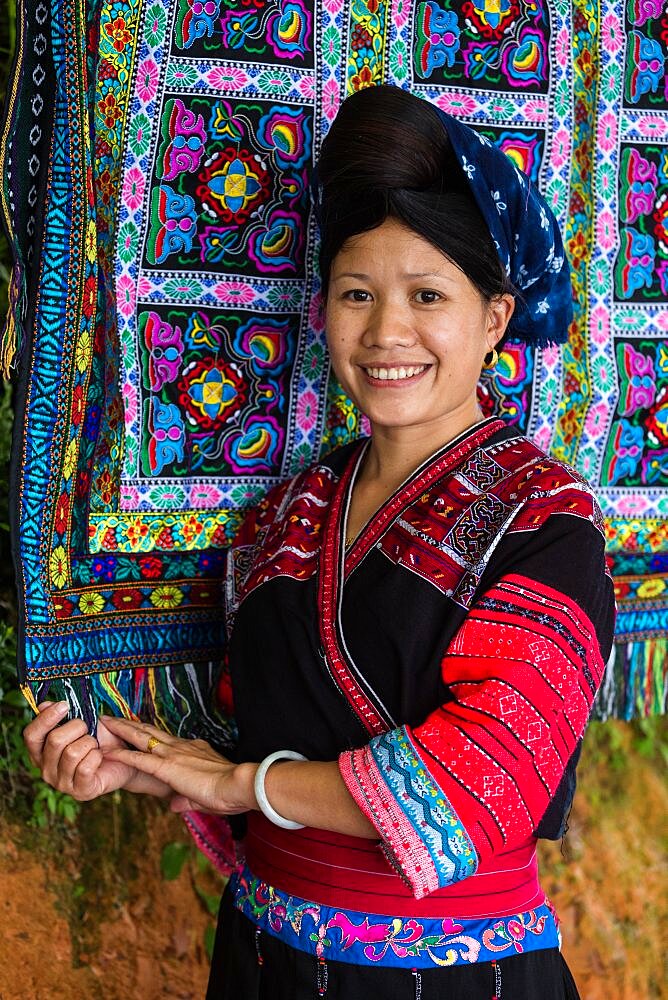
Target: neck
pixel 395 452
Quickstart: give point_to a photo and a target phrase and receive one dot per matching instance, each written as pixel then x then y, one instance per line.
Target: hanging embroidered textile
pixel 165 325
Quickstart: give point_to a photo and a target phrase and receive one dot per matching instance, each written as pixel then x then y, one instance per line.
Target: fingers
pixel 138 734
pixel 84 779
pixel 37 731
pixel 64 749
pixel 145 763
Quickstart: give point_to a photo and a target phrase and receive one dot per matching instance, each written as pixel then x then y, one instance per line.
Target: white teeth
pixel 394 374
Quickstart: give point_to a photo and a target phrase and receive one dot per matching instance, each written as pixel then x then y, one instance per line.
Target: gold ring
pixel 152 744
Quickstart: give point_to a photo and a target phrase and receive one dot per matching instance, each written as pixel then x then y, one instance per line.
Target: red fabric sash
pixel 352 873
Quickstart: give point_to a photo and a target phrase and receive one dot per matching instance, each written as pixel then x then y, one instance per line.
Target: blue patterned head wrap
pixel 525 232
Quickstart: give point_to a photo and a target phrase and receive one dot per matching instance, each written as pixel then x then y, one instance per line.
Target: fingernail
pixel 44 704
pixel 62 708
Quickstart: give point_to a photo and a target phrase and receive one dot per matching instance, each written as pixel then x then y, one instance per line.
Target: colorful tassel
pixel 635 683
pixel 11 340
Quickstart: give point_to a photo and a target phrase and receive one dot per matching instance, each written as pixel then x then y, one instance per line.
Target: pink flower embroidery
pixel 129 497
pixel 234 291
pixel 542 438
pixel 227 77
pixel 612 38
pixel 605 230
pixel 400 12
pixel 204 496
pixel 457 104
pixel 551 355
pixel 634 504
pixel 652 125
pixel 316 317
pixel 607 132
pixel 129 403
pixel 307 411
pixel 133 188
pixel 147 80
pixel 596 419
pixel 562 47
pixel 307 88
pixel 330 99
pixel 535 111
pixel 125 295
pixel 561 148
pixel 599 327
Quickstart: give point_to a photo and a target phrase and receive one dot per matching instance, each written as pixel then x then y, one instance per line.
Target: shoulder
pixel 536 485
pixel 488 510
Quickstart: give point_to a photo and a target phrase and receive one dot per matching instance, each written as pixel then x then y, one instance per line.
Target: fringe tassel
pixel 11 341
pixel 178 699
pixel 635 683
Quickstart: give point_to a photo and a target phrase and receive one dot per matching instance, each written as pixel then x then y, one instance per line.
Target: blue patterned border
pixel 398 942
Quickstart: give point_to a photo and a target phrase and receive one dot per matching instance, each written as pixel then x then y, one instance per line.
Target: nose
pixel 388 326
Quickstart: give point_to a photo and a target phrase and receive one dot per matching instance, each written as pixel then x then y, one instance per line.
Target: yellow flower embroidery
pixel 91 242
pixel 651 588
pixel 58 567
pixel 83 351
pixel 70 458
pixel 166 597
pixel 91 604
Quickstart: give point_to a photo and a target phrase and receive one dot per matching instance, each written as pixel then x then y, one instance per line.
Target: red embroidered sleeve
pixel 477 776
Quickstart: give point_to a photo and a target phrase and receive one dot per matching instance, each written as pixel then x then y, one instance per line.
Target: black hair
pixel 388 155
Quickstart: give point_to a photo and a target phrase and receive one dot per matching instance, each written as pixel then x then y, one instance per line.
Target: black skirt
pixel 248 965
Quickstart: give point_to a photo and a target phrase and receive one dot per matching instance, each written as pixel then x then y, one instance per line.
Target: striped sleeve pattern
pixel 479 774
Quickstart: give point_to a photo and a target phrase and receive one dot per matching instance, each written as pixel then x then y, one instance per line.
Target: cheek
pixel 340 336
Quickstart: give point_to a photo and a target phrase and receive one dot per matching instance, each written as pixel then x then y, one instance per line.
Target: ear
pixel 499 314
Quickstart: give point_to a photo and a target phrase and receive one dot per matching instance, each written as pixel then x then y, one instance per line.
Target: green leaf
pixel 209 939
pixel 172 860
pixel 70 809
pixel 14 698
pixel 202 863
pixel 211 901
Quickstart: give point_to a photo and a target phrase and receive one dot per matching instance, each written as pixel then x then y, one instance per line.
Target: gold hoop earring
pixel 490 360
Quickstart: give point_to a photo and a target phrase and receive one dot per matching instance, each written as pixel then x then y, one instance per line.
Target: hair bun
pixel 383 138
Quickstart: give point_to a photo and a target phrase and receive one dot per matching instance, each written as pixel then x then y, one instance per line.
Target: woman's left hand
pixel 201 778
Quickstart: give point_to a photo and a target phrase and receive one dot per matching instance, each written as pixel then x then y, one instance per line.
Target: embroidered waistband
pixel 343 935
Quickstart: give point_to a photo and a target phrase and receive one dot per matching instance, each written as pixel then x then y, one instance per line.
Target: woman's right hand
pixel 74 762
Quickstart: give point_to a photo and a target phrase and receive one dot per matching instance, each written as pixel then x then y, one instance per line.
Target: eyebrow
pixel 410 274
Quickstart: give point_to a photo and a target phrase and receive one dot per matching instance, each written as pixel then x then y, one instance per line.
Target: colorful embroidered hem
pixel 399 942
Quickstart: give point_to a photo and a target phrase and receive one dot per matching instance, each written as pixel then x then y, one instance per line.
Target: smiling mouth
pixel 395 374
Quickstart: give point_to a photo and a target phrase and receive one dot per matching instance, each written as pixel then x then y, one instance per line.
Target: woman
pixel 421 619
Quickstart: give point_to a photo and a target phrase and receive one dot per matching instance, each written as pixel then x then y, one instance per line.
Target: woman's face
pixel 408 332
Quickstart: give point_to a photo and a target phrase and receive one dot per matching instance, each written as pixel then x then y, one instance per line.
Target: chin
pixel 392 420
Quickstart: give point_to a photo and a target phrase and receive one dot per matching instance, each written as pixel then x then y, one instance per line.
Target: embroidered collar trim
pixel 336 564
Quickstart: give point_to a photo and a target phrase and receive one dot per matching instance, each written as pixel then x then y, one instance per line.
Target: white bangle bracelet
pixel 261 796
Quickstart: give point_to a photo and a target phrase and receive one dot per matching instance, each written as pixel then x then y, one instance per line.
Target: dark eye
pixel 357 295
pixel 427 297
